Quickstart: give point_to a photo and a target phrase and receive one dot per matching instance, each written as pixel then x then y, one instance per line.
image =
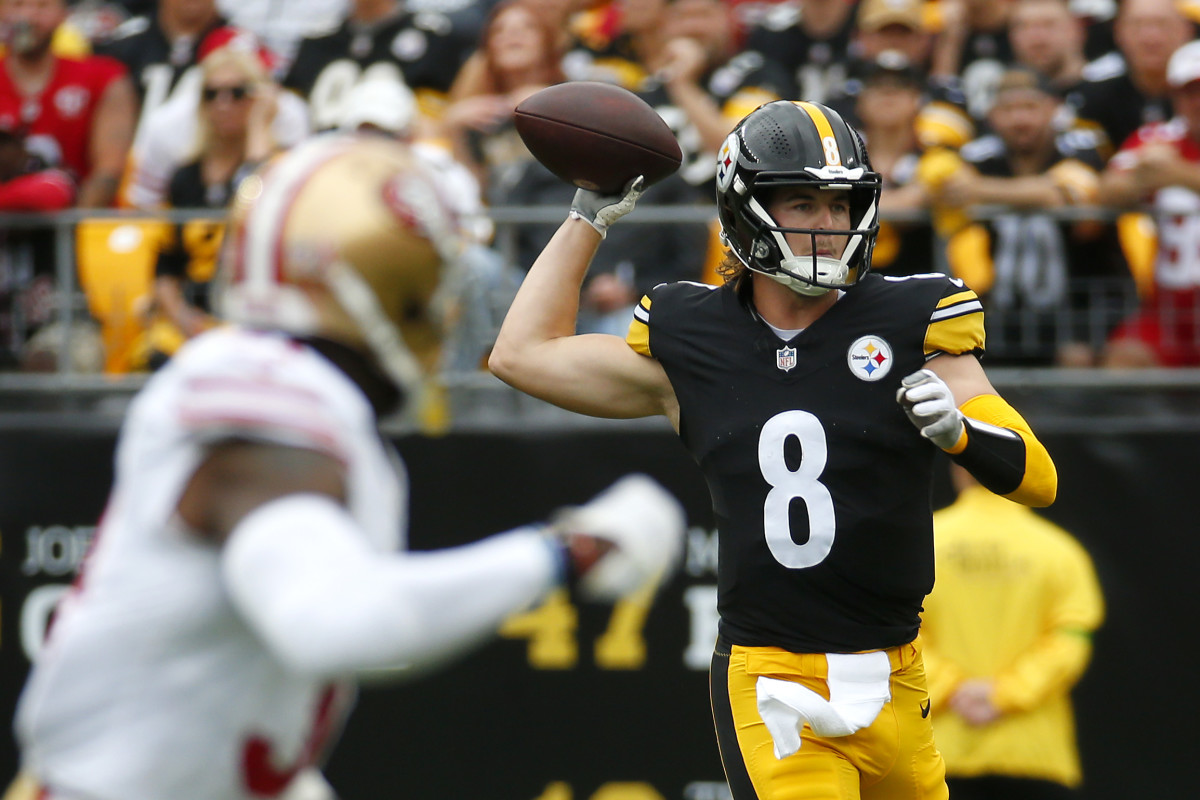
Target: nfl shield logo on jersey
pixel 785 358
pixel 870 358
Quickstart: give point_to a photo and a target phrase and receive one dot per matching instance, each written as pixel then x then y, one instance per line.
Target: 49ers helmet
pixel 344 238
pixel 785 143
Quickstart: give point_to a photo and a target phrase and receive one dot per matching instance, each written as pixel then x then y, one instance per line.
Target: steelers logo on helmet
pixel 869 358
pixel 807 145
pixel 727 162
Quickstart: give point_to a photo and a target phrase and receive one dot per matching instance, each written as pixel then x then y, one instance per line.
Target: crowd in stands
pixel 1046 152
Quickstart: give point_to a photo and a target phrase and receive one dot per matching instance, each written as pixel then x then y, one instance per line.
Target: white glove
pixel 929 403
pixel 602 210
pixel 640 528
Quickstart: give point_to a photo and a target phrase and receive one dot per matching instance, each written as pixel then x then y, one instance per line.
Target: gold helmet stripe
pixel 833 156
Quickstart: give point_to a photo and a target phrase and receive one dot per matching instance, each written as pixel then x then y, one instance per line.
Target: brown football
pixel 597 136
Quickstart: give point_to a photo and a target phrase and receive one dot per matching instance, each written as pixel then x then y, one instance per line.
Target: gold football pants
pixel 894 758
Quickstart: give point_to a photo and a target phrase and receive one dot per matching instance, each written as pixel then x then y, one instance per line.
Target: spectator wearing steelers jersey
pixel 1054 289
pixel 806 378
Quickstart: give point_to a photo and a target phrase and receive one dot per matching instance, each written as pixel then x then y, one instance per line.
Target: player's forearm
pixel 1119 188
pixel 302 575
pixel 1000 450
pixel 1025 192
pixel 547 304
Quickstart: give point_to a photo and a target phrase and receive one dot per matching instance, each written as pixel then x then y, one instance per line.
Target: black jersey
pixel 423 50
pixel 1109 98
pixel 821 486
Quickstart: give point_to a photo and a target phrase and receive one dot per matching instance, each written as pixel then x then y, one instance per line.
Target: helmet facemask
pixel 811 274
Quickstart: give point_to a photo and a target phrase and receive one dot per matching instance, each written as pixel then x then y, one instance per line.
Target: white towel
pixel 858 689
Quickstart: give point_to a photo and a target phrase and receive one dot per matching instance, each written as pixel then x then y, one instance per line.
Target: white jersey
pixel 114 709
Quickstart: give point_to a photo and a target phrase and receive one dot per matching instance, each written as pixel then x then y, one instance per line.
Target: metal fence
pixel 478 398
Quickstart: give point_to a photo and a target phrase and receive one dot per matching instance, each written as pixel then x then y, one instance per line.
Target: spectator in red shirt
pixel 1159 165
pixel 76 113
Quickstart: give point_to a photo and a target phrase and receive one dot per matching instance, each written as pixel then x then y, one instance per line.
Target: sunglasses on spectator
pixel 211 93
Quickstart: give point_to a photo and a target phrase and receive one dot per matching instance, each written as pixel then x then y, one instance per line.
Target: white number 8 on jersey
pixel 801 483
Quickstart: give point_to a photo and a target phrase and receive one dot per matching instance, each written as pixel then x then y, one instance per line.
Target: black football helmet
pixel 785 143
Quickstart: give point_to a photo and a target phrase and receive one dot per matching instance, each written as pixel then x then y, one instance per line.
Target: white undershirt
pixel 787 334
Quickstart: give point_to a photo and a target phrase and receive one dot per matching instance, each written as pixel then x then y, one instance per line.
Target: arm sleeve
pixel 1000 450
pixel 302 575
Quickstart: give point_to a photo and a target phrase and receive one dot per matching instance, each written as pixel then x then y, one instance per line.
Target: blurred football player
pixel 815 396
pixel 244 571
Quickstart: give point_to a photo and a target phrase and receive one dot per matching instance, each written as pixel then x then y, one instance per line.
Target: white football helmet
pixel 344 238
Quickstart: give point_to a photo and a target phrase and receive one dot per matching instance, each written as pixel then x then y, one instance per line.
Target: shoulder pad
pixel 130 27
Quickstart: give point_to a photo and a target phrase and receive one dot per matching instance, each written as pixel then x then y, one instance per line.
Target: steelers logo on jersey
pixel 869 358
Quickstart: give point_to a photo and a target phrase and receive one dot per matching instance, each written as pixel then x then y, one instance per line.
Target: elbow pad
pixel 999 449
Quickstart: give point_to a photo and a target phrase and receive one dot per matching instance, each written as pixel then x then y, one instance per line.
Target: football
pixel 597 136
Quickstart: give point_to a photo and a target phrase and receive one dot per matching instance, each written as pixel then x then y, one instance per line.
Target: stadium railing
pixel 476 397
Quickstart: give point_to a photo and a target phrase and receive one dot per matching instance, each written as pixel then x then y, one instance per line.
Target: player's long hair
pixel 732 271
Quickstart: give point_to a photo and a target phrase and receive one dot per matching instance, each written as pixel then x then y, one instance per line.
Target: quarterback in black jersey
pixel 814 395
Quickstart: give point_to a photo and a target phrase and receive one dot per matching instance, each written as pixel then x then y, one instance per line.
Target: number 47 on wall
pixel 550 631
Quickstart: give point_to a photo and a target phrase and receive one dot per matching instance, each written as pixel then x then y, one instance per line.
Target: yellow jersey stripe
pixel 638 336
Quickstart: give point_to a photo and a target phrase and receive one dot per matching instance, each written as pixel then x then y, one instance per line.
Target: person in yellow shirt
pixel 1007 633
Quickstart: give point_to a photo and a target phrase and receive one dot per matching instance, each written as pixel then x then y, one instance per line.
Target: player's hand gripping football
pixel 929 403
pixel 602 210
pixel 625 538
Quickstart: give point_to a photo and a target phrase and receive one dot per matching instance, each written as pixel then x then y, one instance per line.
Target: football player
pixel 244 570
pixel 814 395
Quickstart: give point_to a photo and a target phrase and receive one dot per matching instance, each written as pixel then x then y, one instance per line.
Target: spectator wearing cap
pixel 1052 289
pixel 1160 165
pixel 893 25
pixel 898 29
pixel 1127 89
pixel 75 113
